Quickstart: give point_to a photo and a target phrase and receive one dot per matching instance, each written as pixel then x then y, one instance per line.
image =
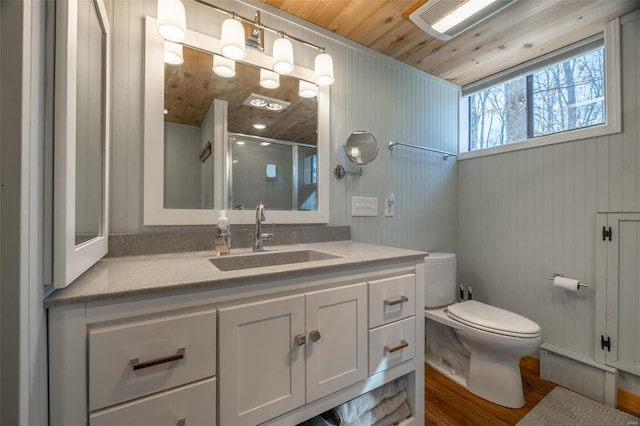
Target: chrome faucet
pixel 260 236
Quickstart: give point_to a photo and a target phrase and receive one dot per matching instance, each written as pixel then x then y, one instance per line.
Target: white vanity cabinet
pixel 272 349
pixel 278 354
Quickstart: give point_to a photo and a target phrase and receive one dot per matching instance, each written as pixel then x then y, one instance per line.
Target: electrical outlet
pixel 389 205
pixel 364 206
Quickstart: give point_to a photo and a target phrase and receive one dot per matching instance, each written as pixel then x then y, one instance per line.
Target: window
pixel 559 97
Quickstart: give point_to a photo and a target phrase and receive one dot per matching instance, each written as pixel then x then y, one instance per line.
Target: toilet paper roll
pixel 566 283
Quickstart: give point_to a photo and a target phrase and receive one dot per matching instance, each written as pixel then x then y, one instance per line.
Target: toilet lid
pixel 495 320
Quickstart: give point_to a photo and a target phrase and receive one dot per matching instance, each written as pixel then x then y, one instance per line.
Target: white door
pixel 261 370
pixel 336 339
pixel 618 291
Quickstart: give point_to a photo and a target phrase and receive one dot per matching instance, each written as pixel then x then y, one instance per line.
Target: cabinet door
pixel 336 339
pixel 617 301
pixel 261 370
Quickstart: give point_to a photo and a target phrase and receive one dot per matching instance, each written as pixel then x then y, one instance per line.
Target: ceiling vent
pixel 445 19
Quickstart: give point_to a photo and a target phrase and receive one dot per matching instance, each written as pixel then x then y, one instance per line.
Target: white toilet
pixel 474 344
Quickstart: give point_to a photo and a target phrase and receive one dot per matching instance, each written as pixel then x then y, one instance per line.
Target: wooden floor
pixel 447 404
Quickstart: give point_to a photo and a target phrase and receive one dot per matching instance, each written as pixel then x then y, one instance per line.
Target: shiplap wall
pixel 527 214
pixel 371 92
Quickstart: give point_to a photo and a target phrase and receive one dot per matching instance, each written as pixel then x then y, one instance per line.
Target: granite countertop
pixel 112 278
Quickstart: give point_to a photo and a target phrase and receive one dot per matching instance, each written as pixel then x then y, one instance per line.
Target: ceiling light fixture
pixel 172 20
pixel 265 102
pixel 259 126
pixel 173 53
pixel 274 106
pixel 269 79
pixel 258 103
pixel 445 19
pixel 224 67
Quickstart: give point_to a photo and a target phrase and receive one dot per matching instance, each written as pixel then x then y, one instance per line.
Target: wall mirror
pixel 81 138
pixel 209 147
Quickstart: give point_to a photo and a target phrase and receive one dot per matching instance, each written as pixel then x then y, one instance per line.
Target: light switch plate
pixel 364 206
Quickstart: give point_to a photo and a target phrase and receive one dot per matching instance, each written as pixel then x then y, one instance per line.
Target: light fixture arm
pixel 261 25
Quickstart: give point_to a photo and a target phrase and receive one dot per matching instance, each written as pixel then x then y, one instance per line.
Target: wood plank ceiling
pixel 524 30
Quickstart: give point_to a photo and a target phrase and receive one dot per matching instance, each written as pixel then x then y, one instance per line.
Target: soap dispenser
pixel 223 235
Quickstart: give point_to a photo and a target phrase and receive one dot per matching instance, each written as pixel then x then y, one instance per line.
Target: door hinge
pixel 607 233
pixel 605 343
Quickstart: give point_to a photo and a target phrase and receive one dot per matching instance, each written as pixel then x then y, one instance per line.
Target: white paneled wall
pixel 529 213
pixel 371 92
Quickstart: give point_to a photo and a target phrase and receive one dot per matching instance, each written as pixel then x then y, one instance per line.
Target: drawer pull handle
pixel 396 302
pixel 137 365
pixel 182 422
pixel 403 344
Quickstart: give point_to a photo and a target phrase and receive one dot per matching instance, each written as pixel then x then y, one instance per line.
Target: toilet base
pixel 446 371
pixel 498 382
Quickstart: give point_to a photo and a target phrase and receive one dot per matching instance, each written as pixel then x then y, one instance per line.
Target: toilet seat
pixel 493 320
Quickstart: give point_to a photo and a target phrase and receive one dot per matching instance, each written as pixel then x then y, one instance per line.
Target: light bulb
pixel 307 90
pixel 323 70
pixel 224 67
pixel 172 20
pixel 232 39
pixel 282 56
pixel 173 53
pixel 269 79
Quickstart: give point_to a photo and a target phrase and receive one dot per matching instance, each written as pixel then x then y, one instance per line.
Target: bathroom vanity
pixel 173 339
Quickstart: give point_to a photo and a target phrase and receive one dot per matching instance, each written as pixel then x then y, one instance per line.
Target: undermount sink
pixel 260 260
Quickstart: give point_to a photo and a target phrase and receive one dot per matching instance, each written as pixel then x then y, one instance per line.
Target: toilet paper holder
pixel 557 274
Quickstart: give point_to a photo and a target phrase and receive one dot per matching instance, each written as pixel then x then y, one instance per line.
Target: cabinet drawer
pixel 131 360
pixel 391 344
pixel 391 299
pixel 193 404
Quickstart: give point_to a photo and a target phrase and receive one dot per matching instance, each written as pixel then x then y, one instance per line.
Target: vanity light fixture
pixel 282 47
pixel 282 55
pixel 232 40
pixel 323 70
pixel 269 79
pixel 224 67
pixel 307 90
pixel 173 53
pixel 172 20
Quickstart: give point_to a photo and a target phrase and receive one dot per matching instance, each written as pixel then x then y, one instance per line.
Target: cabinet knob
pixel 314 335
pixel 300 339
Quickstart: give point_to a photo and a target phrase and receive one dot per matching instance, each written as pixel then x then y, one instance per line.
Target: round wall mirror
pixel 361 148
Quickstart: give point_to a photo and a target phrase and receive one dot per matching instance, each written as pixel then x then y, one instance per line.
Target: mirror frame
pixel 154 212
pixel 71 260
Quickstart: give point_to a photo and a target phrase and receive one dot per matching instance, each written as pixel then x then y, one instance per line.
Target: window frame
pixel 613 123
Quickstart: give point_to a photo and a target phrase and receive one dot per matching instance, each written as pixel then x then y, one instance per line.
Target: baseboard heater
pixel 579 373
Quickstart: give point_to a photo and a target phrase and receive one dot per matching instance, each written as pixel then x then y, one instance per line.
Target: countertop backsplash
pixel 148 243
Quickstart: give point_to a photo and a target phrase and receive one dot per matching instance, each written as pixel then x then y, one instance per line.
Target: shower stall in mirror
pixel 280 174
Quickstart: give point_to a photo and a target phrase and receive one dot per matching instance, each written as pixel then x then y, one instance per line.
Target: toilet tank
pixel 440 279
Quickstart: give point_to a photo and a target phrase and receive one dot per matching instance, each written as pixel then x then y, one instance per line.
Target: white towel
pixel 350 411
pixel 396 417
pixel 380 411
